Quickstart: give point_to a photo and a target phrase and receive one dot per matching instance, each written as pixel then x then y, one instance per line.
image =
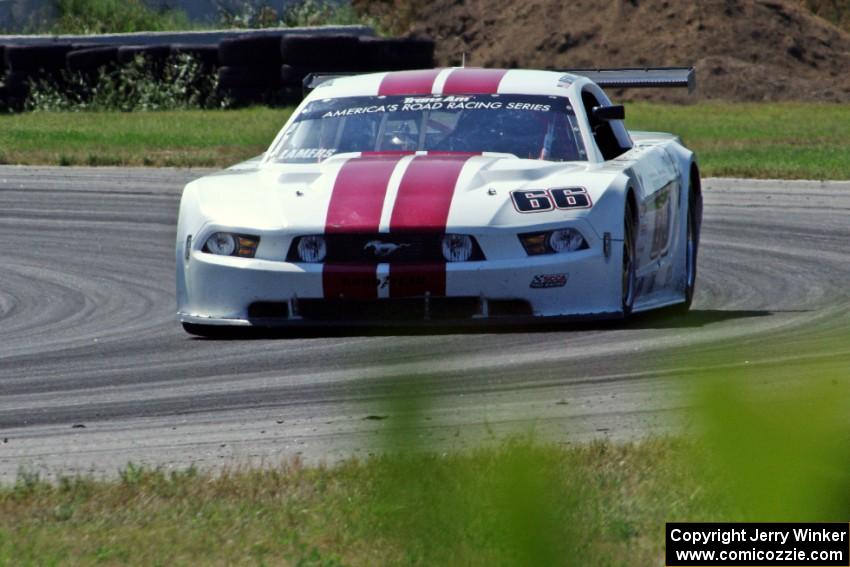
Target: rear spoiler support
pixel 640 77
pixel 313 80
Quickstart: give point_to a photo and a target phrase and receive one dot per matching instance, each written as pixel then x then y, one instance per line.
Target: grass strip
pixel 777 140
pixel 766 441
pixel 196 138
pixel 485 507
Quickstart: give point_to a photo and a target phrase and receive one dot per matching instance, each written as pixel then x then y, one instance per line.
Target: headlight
pixel 565 240
pixel 457 247
pixel 228 244
pixel 553 241
pixel 312 249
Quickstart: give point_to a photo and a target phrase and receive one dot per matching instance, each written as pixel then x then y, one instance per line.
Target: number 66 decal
pixel 538 200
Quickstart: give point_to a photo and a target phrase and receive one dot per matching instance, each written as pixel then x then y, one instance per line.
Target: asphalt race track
pixel 95 371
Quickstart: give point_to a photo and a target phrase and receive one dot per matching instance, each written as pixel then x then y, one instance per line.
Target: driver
pixel 504 131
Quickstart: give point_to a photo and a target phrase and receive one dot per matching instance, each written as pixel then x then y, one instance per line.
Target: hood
pixel 382 192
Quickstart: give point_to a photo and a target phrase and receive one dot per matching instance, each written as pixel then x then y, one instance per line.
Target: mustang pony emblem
pixel 383 249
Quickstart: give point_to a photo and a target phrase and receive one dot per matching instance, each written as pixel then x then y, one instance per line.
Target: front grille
pixel 268 310
pixel 410 309
pixel 374 248
pixel 509 308
pixel 403 309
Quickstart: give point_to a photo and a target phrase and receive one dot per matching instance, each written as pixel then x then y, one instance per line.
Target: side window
pixel 561 143
pixel 602 131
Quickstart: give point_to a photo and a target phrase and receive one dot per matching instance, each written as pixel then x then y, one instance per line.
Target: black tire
pixel 691 249
pixel 293 75
pixel 153 54
pixel 18 82
pixel 211 331
pixel 289 95
pixel 206 55
pixel 628 272
pixel 15 92
pixel 90 60
pixel 2 60
pixel 397 54
pixel 266 77
pixel 250 51
pixel 244 96
pixel 338 52
pixel 36 57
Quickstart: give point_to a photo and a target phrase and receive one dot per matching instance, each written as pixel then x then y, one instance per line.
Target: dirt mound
pixel 743 50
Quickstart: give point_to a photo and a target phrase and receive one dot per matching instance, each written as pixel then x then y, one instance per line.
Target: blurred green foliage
pixel 777 438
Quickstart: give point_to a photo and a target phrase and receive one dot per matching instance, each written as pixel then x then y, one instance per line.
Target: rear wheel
pixel 629 278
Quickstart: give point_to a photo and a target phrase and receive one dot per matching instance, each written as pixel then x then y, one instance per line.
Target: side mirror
pixel 609 113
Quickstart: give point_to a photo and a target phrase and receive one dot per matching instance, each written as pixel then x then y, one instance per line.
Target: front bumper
pixel 216 290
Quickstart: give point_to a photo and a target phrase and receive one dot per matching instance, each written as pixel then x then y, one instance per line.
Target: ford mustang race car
pixel 446 195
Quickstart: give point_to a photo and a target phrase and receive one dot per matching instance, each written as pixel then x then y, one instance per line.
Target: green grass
pixel 777 140
pixel 763 440
pixel 769 443
pixel 787 140
pixel 174 138
pixel 487 507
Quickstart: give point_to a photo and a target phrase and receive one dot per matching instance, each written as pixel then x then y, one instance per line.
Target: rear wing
pixel 636 77
pixel 625 78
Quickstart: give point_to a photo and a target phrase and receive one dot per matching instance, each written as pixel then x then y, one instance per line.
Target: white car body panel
pixel 281 201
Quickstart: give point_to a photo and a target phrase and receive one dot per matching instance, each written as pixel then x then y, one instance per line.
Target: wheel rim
pixel 628 263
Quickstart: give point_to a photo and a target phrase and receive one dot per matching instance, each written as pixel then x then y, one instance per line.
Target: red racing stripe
pixel 422 205
pixel 426 192
pixel 355 206
pixel 473 81
pixel 415 280
pixel 358 194
pixel 408 82
pixel 351 281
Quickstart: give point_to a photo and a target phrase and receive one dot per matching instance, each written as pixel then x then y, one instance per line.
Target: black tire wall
pixel 265 69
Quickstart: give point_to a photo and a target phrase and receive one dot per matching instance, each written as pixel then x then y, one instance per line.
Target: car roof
pixel 451 81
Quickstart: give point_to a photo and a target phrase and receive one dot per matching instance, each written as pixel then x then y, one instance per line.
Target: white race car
pixel 446 195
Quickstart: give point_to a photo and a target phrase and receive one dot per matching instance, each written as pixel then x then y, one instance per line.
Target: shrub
pixel 181 84
pixel 260 14
pixel 114 16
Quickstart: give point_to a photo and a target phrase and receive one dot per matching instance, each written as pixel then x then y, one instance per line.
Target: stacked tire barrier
pixel 272 70
pixel 28 63
pixel 250 71
pixel 253 69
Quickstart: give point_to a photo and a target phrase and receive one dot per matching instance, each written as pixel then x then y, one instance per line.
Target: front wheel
pixel 210 331
pixel 629 277
pixel 690 257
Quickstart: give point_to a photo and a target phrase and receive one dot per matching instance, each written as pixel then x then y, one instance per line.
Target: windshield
pixel 536 127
